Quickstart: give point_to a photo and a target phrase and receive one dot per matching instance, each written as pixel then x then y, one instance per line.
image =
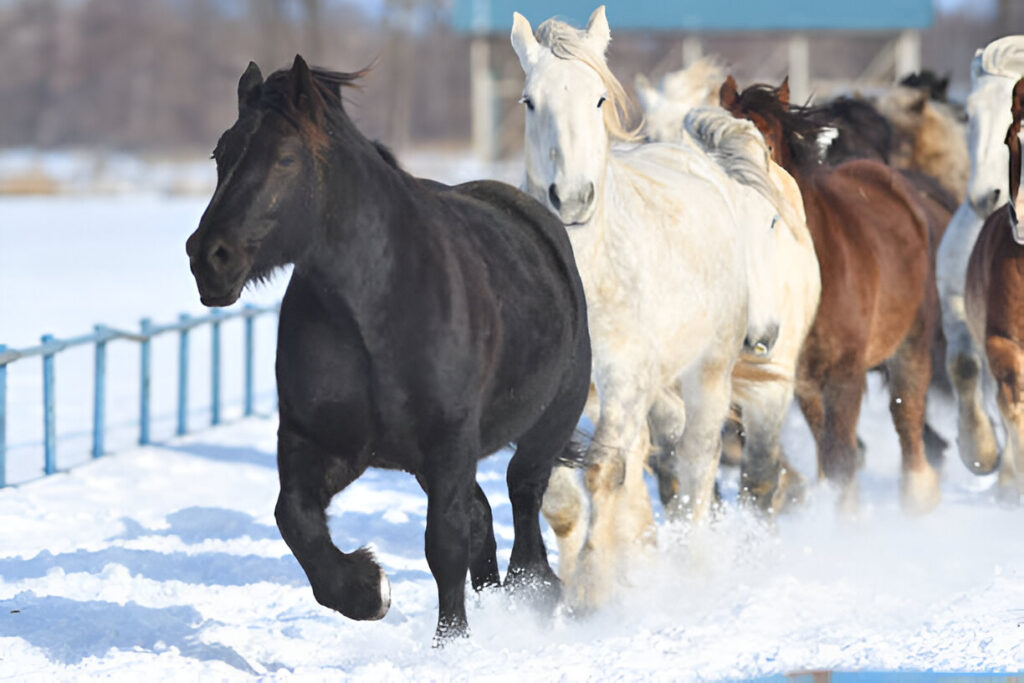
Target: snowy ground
pixel 165 563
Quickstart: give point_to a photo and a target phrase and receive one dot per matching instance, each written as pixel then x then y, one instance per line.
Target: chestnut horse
pixel 995 309
pixel 878 294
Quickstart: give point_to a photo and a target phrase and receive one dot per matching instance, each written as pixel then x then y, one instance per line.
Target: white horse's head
pixel 574 106
pixel 994 72
pixel 663 117
pixel 681 91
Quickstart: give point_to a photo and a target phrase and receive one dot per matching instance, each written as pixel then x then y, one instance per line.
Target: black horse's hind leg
pixel 351 583
pixel 483 560
pixel 527 477
pixel 450 483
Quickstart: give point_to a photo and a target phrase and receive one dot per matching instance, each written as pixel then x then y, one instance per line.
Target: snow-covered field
pixel 164 562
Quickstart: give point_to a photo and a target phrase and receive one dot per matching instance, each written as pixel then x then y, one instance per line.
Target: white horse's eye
pixel 601 101
pixel 525 99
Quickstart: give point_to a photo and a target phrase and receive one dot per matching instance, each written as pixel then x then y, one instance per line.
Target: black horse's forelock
pixel 276 92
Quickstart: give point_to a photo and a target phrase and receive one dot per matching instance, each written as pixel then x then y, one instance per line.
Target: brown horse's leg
pixel 812 405
pixel 1006 358
pixel 837 453
pixel 909 376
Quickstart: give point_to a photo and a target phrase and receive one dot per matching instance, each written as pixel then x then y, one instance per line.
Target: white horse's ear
pixel 598 33
pixel 523 42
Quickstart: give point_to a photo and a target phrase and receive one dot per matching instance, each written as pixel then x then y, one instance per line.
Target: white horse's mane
pixel 740 150
pixel 568 42
pixel 695 84
pixel 1003 57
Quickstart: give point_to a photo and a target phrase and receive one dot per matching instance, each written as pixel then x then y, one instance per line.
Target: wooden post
pixel 692 49
pixel 907 57
pixel 482 97
pixel 799 68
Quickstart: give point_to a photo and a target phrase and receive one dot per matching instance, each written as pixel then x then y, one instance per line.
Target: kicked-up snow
pixel 165 563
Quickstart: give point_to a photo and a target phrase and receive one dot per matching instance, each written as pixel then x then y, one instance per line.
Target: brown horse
pixel 995 309
pixel 878 297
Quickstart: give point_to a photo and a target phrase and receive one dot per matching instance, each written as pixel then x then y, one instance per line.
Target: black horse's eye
pixel 525 99
pixel 286 161
pixel 601 101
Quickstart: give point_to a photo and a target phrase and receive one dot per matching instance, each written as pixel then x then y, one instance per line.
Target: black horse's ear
pixel 728 93
pixel 303 90
pixel 249 86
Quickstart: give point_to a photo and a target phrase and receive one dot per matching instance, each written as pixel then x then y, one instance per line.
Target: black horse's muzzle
pixel 219 268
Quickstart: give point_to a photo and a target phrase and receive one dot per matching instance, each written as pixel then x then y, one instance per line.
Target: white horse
pixel 680 91
pixel 664 241
pixel 994 71
pixel 683 111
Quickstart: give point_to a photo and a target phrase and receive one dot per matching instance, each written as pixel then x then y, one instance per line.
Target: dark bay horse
pixel 424 327
pixel 871 236
pixel 995 309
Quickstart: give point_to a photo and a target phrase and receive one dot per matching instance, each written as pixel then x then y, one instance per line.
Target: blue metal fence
pixel 49 347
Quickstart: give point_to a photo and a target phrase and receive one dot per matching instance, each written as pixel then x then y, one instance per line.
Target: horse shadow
pixel 225 454
pixel 69 631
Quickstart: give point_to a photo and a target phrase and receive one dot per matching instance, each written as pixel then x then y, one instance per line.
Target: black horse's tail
pixel 575 451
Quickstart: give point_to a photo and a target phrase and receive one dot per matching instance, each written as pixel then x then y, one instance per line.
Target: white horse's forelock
pixel 568 42
pixel 1003 57
pixel 740 150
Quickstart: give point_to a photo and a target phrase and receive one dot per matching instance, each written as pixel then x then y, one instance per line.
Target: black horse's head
pixel 267 195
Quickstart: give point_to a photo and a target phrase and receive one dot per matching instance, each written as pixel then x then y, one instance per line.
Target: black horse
pixel 424 327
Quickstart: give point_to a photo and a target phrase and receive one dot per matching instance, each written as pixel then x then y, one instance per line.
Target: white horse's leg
pixel 609 476
pixel 964 360
pixel 764 481
pixel 706 394
pixel 667 423
pixel 565 506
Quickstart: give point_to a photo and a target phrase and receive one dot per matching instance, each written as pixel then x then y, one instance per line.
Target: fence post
pixel 144 326
pixel 3 420
pixel 249 315
pixel 49 417
pixel 182 375
pixel 215 369
pixel 99 393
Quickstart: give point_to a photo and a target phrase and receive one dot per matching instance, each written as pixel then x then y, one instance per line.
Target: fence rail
pixel 49 347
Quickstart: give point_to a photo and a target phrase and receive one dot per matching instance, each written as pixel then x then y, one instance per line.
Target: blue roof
pixel 495 16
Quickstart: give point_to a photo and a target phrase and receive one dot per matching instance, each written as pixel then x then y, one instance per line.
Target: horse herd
pixel 678 283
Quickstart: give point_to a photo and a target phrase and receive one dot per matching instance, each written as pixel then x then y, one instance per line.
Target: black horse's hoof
pixel 358 589
pixel 540 589
pixel 450 631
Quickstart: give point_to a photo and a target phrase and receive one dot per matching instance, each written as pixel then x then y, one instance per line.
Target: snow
pixel 164 562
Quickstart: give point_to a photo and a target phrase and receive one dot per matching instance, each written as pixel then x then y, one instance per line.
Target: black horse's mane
pixel 864 133
pixel 926 79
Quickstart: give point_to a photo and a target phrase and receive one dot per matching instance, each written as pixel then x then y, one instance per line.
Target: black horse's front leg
pixel 351 583
pixel 450 491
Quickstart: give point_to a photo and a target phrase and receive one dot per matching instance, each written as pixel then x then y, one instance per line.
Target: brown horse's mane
pixel 800 126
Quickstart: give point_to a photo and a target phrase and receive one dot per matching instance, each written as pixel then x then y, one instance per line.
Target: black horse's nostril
pixel 553 196
pixel 219 256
